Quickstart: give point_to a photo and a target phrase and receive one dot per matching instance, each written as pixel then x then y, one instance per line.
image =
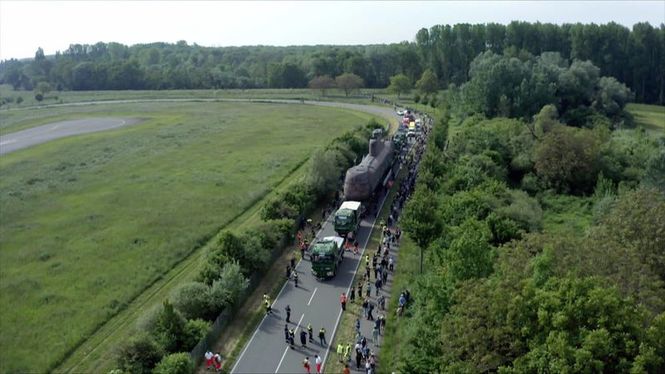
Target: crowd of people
pixel 377 267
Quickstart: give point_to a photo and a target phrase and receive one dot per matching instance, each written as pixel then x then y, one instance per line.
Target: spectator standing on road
pixel 352 296
pixel 303 338
pixel 208 356
pixel 360 290
pixel 375 336
pixel 318 362
pixel 322 336
pixel 359 357
pixel 295 278
pixel 293 262
pixel 306 365
pixel 310 332
pixel 342 300
pixel 288 271
pixel 369 288
pixel 370 316
pixel 340 352
pixel 288 313
pixel 286 333
pixel 218 361
pixel 346 369
pixel 357 326
pixel 292 336
pixel 347 352
pixel 391 264
pixel 365 307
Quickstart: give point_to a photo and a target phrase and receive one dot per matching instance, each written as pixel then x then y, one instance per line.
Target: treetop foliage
pixel 634 57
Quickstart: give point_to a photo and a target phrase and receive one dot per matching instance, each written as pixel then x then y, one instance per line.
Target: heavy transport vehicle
pixel 327 254
pixel 347 218
pixel 363 179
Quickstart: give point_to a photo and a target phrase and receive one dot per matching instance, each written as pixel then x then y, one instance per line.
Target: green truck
pixel 347 218
pixel 327 255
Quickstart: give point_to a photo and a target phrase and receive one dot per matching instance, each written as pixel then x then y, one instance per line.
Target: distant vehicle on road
pixel 326 255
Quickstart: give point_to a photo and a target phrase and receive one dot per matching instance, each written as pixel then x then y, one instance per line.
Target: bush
pixel 228 288
pixel 176 363
pixel 195 330
pixel 567 159
pixel 39 97
pixel 148 320
pixel 19 100
pixel 170 330
pixel 193 301
pixel 139 355
pixel 524 210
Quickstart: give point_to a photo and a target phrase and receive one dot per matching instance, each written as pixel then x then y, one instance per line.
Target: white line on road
pixel 258 327
pixel 310 299
pixel 287 348
pixel 8 142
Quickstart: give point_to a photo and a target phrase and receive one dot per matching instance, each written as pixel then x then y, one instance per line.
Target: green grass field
pixel 89 222
pixel 650 117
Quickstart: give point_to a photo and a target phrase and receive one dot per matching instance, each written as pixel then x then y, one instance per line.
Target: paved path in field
pixel 41 134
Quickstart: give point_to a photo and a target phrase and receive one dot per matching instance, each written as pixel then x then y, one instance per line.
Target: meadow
pixel 90 222
pixel 650 117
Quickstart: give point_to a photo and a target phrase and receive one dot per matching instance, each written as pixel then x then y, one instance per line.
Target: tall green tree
pixel 420 220
pixel 323 83
pixel 400 84
pixel 348 82
pixel 428 83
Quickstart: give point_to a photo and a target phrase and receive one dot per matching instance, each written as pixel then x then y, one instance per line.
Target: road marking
pixel 369 235
pixel 258 327
pixel 287 348
pixel 310 299
pixel 8 142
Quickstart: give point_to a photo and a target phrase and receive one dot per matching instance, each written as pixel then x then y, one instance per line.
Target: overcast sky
pixel 54 25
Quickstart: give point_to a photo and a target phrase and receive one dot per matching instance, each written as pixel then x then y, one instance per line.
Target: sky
pixel 54 25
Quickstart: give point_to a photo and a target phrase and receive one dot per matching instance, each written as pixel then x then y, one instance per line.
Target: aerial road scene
pixel 376 187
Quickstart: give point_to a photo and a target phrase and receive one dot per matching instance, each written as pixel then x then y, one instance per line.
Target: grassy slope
pixel 650 117
pixel 80 234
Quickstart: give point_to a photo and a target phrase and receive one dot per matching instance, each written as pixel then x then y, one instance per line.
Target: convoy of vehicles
pixel 360 183
pixel 326 255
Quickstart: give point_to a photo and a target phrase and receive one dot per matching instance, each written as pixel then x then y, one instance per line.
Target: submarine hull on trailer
pixel 362 180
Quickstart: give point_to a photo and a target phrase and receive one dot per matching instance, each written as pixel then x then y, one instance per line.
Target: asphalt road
pixel 314 301
pixel 41 134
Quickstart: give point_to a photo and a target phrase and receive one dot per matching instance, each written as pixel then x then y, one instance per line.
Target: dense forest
pixel 541 226
pixel 635 57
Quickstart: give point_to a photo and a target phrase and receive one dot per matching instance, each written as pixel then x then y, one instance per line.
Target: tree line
pixel 634 56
